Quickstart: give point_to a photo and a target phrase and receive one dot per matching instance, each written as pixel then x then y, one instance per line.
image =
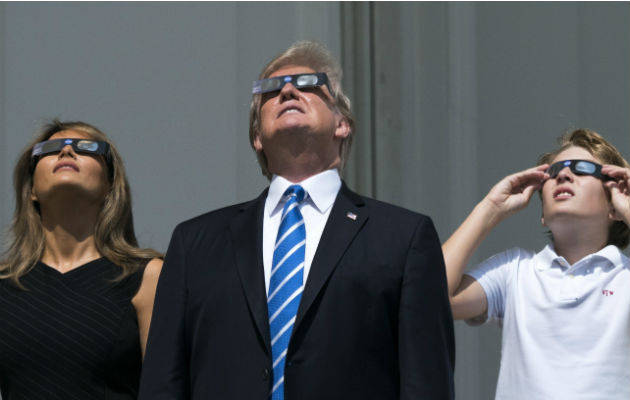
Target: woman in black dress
pixel 76 293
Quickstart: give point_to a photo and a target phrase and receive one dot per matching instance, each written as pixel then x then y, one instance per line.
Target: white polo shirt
pixel 566 328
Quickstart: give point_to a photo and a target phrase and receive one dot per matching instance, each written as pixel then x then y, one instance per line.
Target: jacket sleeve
pixel 426 336
pixel 165 374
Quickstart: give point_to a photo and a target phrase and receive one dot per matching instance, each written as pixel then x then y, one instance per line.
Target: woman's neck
pixel 69 234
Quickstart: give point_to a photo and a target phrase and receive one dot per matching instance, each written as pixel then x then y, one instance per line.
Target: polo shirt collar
pixel 547 257
pixel 612 254
pixel 321 190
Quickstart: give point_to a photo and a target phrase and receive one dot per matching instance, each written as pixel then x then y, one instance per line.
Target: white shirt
pixel 321 191
pixel 566 328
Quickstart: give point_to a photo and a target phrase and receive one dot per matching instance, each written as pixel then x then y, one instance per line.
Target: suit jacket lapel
pixel 246 229
pixel 346 218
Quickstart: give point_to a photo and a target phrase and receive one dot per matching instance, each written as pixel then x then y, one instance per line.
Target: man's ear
pixel 257 142
pixel 34 196
pixel 342 130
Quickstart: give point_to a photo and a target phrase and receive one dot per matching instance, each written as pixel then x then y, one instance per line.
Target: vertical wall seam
pixel 4 165
pixel 372 94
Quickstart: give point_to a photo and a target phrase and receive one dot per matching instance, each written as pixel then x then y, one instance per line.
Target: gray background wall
pixel 450 97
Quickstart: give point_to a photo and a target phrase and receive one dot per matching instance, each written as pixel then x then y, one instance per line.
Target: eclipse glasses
pixel 300 81
pixel 85 146
pixel 578 167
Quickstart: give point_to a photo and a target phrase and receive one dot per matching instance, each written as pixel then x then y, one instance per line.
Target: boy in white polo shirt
pixel 565 311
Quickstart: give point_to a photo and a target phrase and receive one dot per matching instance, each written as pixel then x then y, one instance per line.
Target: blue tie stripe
pixel 280 359
pixel 285 280
pixel 278 386
pixel 284 322
pixel 287 233
pixel 292 227
pixel 286 284
pixel 287 307
pixel 290 254
pixel 288 245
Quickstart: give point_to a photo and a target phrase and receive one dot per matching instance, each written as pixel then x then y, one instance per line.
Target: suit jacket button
pixel 265 374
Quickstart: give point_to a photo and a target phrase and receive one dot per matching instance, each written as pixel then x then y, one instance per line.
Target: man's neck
pixel 300 170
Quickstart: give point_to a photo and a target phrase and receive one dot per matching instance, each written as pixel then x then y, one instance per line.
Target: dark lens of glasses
pixel 579 167
pixel 87 145
pixel 299 81
pixel 270 85
pixel 49 147
pixel 585 167
pixel 555 168
pixel 306 80
pixel 79 145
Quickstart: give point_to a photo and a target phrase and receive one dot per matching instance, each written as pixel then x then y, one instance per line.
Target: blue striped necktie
pixel 286 283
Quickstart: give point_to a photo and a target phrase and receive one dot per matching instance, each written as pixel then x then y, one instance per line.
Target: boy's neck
pixel 574 243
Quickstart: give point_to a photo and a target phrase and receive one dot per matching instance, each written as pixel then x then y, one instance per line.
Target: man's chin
pixel 293 129
pixel 292 123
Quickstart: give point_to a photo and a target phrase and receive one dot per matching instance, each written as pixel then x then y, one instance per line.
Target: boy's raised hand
pixel 619 191
pixel 512 193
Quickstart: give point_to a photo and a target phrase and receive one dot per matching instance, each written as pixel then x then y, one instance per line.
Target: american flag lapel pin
pixel 351 215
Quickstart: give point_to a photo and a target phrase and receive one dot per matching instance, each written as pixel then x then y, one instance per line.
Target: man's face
pixel 570 197
pixel 296 123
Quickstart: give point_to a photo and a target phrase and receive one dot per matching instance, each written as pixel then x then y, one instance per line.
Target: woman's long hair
pixel 113 234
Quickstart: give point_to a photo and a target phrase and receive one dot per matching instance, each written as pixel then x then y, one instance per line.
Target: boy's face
pixel 569 198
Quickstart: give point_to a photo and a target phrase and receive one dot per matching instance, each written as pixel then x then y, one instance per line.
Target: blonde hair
pixel 113 234
pixel 600 148
pixel 317 57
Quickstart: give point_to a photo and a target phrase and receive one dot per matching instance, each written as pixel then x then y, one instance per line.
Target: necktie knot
pixel 295 191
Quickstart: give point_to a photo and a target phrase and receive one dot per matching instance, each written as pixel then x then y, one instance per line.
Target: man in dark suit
pixel 309 291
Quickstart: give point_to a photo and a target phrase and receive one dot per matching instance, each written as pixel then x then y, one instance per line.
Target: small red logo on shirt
pixel 607 292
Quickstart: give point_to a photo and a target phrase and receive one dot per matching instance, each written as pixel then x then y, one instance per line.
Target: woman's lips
pixel 66 165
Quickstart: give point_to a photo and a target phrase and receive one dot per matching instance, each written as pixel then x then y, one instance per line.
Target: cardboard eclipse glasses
pixel 578 167
pixel 84 146
pixel 300 81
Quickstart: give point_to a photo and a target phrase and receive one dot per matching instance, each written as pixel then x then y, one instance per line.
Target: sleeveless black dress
pixel 71 336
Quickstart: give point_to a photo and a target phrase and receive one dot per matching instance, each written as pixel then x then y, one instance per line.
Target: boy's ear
pixel 613 215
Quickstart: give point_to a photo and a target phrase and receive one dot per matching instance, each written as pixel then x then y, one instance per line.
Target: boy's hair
pixel 594 143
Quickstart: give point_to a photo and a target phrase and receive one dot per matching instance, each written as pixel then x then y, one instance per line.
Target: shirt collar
pixel 547 257
pixel 322 190
pixel 613 254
